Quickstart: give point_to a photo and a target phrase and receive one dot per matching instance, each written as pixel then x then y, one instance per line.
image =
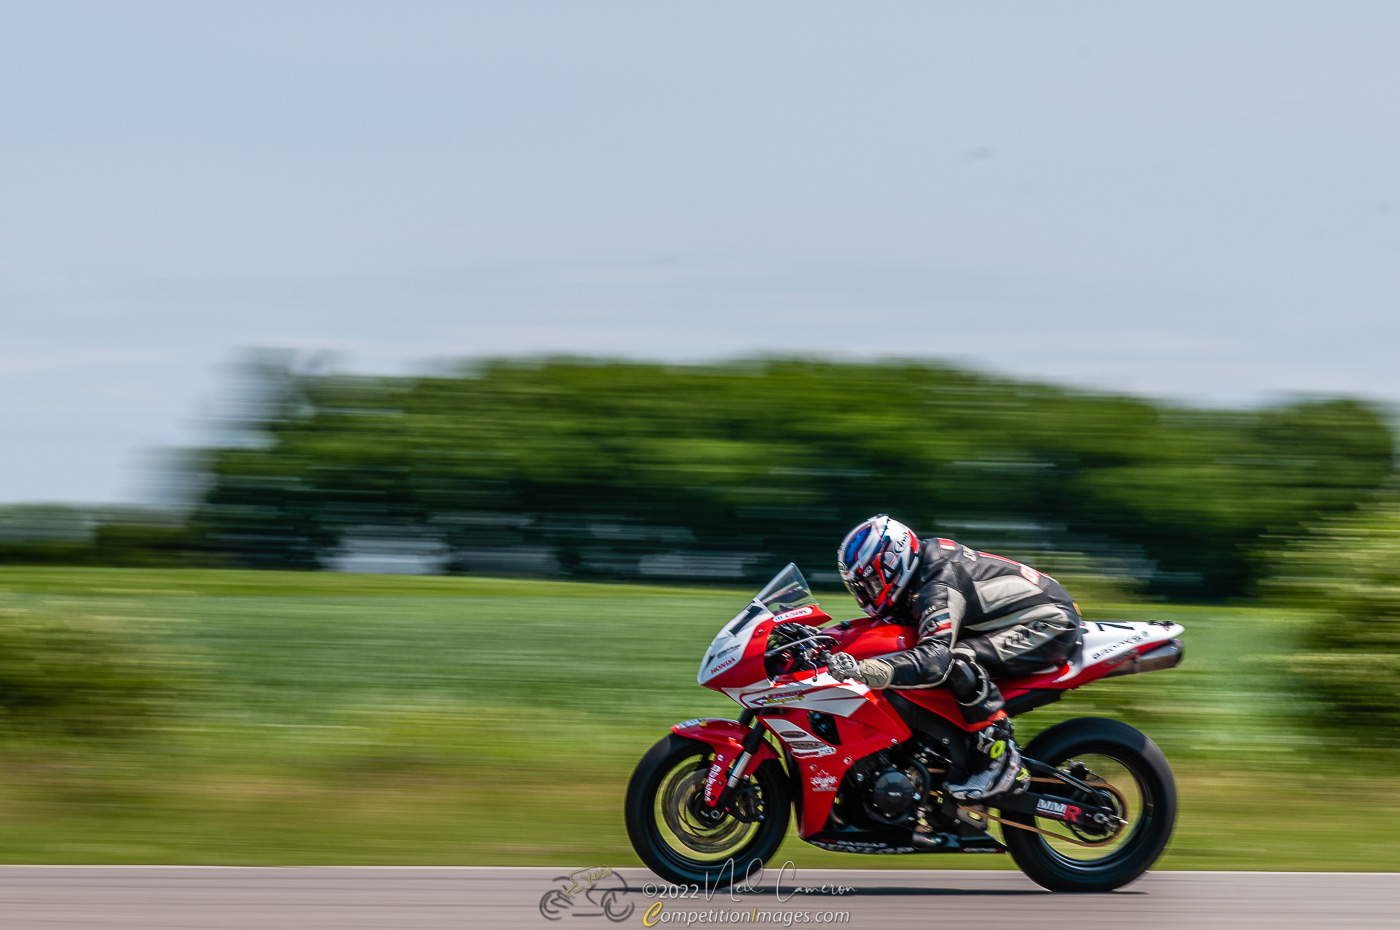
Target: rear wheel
pixel 1130 774
pixel 665 799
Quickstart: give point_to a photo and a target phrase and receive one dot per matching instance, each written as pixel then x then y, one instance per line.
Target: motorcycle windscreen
pixel 787 591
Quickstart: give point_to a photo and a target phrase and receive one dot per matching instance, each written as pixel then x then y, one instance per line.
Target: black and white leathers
pixel 1001 617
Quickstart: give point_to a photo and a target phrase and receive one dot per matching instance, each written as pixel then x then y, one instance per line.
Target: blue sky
pixel 1192 200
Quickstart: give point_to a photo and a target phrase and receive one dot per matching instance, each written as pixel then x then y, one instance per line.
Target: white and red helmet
pixel 877 559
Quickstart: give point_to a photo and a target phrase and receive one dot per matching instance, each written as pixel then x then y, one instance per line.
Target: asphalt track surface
pixel 151 897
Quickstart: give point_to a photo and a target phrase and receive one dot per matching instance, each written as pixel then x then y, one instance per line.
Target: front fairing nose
pixel 731 643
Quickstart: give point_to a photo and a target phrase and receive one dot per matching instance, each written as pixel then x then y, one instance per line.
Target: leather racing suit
pixel 980 616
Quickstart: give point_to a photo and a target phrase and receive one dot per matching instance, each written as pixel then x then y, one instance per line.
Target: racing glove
pixel 873 673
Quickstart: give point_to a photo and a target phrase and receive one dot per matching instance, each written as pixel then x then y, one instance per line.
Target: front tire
pixel 673 843
pixel 1144 780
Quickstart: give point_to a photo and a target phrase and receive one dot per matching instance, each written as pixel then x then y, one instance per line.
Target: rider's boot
pixel 994 763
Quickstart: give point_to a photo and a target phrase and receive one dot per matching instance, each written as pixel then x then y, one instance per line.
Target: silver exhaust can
pixel 1167 655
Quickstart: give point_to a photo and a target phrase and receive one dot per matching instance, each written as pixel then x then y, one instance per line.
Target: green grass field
pixel 328 718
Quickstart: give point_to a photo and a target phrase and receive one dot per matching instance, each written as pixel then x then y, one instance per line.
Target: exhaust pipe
pixel 1167 655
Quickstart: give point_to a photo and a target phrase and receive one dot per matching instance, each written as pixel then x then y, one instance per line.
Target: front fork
pixel 716 801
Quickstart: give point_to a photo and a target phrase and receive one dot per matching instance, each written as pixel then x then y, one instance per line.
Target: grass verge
pixel 390 720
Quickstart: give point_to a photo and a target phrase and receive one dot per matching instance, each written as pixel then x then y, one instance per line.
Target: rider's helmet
pixel 877 559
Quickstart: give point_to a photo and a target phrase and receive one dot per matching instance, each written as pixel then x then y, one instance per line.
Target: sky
pixel 1194 201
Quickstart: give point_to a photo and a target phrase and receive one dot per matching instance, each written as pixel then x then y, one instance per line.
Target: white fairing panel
pixel 1104 641
pixel 802 744
pixel 729 644
pixel 822 693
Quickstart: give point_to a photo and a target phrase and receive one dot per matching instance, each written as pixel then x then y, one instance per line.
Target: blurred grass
pixel 351 719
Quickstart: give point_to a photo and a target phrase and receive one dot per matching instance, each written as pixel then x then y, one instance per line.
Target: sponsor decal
pixel 727 650
pixel 780 697
pixel 1058 810
pixel 823 781
pixel 1107 651
pixel 716 669
pixel 979 849
pixel 810 748
pixel 700 722
pixel 947 544
pixel 858 847
pixel 712 780
pixel 803 744
pixel 787 730
pixel 793 614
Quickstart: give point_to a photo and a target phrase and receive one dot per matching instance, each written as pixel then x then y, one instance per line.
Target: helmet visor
pixel 860 568
pixel 868 587
pixel 865 598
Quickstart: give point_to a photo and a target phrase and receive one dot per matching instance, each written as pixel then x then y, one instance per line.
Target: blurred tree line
pixel 627 471
pixel 135 537
pixel 1344 573
pixel 598 469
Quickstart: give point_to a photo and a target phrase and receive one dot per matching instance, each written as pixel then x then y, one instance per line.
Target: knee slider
pixel 967 680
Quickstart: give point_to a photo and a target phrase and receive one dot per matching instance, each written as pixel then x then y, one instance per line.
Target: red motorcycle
pixel 865 769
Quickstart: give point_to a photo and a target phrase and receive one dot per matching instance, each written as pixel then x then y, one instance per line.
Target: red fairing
pixel 727 738
pixel 750 666
pixel 867 638
pixel 874 727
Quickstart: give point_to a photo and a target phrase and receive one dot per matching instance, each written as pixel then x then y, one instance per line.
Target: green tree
pixel 1346 574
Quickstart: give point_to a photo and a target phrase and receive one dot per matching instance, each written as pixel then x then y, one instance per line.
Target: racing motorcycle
pixel 1092 808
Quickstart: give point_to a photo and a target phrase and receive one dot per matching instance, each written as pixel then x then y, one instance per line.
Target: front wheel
pixel 1130 771
pixel 663 801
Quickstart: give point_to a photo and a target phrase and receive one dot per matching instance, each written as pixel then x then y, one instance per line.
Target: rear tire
pixel 665 784
pixel 1143 840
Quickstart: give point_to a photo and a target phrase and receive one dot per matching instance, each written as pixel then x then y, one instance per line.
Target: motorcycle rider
pixel 978 615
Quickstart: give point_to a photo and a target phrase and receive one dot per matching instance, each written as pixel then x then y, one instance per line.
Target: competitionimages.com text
pixel 660 914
